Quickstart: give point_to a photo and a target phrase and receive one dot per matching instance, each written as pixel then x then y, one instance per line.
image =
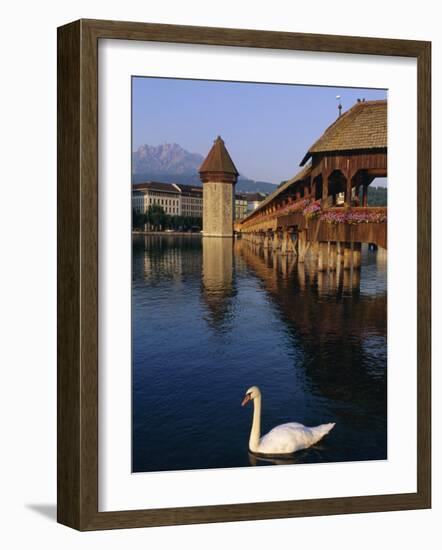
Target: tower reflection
pixel 217 280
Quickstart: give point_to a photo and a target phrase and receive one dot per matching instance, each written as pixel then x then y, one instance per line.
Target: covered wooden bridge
pixel 323 210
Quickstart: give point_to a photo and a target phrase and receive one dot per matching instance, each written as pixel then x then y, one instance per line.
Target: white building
pixel 240 206
pixel 139 201
pixel 179 199
pixel 191 200
pixel 253 200
pixel 166 195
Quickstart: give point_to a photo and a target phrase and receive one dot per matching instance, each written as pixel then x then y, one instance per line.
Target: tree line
pixel 377 196
pixel 157 220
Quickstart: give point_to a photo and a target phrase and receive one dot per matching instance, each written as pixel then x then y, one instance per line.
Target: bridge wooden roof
pixel 218 160
pixel 302 174
pixel 364 126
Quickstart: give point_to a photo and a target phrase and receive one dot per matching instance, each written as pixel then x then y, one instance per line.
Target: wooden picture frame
pixel 78 273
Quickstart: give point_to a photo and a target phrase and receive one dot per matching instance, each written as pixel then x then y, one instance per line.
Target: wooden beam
pixel 325 178
pixel 377 172
pixel 364 194
pixel 348 189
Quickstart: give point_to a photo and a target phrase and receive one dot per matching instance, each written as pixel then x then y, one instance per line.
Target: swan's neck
pixel 255 432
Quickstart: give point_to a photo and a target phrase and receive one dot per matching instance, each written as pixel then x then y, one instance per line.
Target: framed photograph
pixel 243 219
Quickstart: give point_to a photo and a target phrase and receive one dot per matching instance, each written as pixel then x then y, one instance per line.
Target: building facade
pixel 177 199
pixel 240 206
pixel 253 200
pixel 139 201
pixel 191 201
pixel 166 195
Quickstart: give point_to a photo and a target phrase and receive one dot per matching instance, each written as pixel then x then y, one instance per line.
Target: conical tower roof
pixel 218 160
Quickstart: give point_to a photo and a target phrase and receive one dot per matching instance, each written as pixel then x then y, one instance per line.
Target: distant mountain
pixel 166 159
pixel 170 163
pixel 245 185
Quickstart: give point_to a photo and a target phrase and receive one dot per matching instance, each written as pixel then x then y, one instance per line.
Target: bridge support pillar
pixel 314 250
pixel 284 242
pixel 292 243
pixel 348 255
pixel 357 255
pixel 323 257
pixel 381 255
pixel 332 256
pixel 265 242
pixel 275 241
pixel 303 245
pixel 339 254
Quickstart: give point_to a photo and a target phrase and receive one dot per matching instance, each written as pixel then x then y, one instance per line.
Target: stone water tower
pixel 219 175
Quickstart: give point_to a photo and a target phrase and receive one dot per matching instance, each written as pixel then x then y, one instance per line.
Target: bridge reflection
pixel 341 329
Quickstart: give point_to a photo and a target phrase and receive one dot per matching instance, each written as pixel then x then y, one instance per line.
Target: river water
pixel 211 317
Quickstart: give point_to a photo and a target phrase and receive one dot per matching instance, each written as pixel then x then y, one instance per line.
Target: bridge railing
pixel 355 214
pixel 308 208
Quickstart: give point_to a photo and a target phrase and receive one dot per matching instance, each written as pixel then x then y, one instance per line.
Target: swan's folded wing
pixel 285 438
pixel 291 437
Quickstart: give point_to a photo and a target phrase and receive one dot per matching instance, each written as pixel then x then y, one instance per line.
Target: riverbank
pixel 167 233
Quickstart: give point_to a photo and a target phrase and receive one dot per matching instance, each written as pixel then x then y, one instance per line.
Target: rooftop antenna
pixel 338 98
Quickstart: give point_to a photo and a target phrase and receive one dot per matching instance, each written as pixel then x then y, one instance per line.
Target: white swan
pixel 283 439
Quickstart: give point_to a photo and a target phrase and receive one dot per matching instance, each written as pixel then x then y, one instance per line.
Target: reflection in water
pixel 213 316
pixel 297 458
pixel 217 278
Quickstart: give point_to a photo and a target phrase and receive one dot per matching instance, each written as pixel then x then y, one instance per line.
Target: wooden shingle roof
pixel 302 174
pixel 218 160
pixel 364 126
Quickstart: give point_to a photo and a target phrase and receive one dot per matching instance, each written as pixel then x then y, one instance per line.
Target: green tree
pixel 138 219
pixel 156 216
pixel 377 196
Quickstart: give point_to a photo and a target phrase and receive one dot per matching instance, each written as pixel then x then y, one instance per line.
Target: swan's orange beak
pixel 245 400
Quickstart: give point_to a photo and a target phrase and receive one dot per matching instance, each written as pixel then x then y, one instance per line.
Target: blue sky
pixel 267 128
